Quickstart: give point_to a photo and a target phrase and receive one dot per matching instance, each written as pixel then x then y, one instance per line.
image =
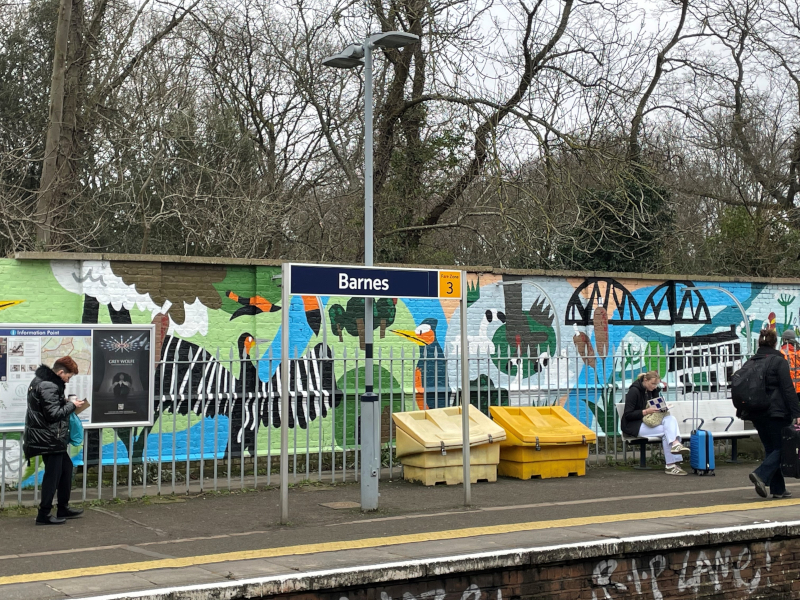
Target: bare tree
pixel 74 111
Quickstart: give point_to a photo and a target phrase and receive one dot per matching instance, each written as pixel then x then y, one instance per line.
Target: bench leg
pixel 642 456
pixel 734 451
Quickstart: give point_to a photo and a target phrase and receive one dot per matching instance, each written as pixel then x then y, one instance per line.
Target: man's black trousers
pixel 57 478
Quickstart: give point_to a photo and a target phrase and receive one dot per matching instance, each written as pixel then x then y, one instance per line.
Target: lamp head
pixel 352 56
pixel 341 62
pixel 393 39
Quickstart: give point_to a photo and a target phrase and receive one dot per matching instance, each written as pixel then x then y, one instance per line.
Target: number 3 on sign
pixel 449 284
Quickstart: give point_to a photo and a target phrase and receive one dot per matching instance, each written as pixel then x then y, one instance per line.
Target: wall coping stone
pixel 148 258
pixel 388 573
pixel 212 260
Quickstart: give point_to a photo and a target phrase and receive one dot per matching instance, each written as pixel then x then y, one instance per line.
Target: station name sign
pixel 373 282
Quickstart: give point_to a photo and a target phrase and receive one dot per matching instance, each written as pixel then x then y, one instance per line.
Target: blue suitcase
pixel 701 445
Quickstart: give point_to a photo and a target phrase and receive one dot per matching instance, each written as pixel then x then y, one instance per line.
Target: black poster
pixel 121 383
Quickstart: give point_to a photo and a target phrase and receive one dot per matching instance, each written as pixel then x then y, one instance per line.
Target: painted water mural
pixel 218 328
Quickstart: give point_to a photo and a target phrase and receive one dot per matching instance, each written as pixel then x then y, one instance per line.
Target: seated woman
pixel 636 407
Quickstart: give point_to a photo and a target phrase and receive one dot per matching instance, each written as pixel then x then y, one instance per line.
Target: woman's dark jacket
pixel 635 402
pixel 47 419
pixel 780 388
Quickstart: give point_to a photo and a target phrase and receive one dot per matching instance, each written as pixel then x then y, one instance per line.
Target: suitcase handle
pixel 695 419
pixel 729 424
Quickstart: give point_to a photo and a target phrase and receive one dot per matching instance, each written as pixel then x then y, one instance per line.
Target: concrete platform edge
pixel 388 573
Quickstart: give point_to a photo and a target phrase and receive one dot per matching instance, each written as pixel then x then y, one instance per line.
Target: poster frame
pixel 149 327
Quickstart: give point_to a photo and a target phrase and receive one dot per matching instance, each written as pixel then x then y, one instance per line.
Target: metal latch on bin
pixel 444 450
pixel 583 437
pixel 538 447
pixel 491 441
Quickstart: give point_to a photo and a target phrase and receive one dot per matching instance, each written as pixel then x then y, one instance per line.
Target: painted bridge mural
pixel 221 323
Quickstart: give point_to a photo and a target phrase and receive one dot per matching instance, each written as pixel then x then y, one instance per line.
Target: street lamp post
pixel 356 55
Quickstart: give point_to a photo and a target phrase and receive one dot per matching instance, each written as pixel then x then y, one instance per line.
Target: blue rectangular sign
pixel 312 280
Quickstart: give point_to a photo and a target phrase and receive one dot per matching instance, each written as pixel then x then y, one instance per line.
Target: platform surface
pixel 175 541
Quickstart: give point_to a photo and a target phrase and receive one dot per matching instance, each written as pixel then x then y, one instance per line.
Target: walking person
pixel 637 407
pixel 783 408
pixel 47 435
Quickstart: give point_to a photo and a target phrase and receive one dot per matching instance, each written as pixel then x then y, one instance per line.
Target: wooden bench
pixel 716 416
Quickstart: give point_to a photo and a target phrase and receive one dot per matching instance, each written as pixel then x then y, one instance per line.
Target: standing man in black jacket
pixel 783 409
pixel 47 435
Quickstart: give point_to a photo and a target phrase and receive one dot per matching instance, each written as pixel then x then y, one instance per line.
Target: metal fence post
pixel 465 401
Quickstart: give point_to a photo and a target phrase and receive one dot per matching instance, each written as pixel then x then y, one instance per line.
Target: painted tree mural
pixel 351 319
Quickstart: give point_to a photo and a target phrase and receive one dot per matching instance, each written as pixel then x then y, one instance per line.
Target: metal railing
pixel 218 420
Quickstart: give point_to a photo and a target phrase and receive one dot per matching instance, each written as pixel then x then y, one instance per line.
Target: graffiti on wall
pixel 218 330
pixel 722 570
pixel 727 571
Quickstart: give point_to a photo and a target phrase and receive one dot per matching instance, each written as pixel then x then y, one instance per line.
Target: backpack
pixel 749 387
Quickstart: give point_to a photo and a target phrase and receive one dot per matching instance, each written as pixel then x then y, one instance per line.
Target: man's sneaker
pixel 49 520
pixel 761 487
pixel 674 470
pixel 782 496
pixel 678 448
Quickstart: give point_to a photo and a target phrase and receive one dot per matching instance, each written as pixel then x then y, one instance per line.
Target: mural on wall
pixel 351 318
pixel 667 304
pixel 569 340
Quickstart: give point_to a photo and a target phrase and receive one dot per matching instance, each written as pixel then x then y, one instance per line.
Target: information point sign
pixel 115 370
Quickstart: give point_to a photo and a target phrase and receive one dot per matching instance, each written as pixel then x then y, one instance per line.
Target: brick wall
pixel 764 569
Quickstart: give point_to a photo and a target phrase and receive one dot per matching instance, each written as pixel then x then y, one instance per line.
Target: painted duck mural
pixel 430 374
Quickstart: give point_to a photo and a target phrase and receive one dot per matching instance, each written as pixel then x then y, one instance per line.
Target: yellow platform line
pixel 191 561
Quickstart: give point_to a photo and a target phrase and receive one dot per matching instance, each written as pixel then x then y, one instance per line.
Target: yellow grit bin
pixel 542 442
pixel 428 444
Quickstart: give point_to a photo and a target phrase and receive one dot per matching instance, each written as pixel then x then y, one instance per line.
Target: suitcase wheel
pixel 702 472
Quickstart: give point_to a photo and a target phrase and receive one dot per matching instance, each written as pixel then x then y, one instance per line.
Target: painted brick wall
pixel 576 332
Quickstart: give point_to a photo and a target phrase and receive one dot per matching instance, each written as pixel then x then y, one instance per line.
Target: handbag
pixel 655 419
pixel 75 430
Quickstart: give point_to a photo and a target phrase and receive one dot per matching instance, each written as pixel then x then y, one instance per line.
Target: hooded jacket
pixel 47 418
pixel 780 389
